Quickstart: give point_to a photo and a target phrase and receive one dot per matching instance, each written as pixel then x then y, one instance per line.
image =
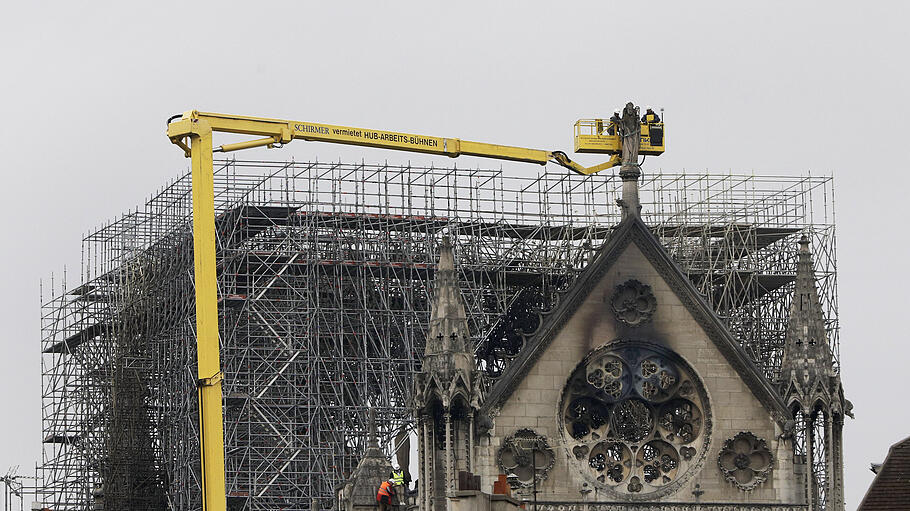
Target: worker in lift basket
pixel 650 117
pixel 614 121
pixel 385 494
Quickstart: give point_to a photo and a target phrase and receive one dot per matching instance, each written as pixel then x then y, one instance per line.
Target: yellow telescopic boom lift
pixel 193 130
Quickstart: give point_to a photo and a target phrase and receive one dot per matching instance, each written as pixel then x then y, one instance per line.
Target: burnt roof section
pixel 75 340
pixel 633 230
pixel 891 487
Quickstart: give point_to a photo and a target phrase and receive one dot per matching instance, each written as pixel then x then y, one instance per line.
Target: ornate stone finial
pixel 630 171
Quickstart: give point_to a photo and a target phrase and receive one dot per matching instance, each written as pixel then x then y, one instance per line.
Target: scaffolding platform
pixel 325 274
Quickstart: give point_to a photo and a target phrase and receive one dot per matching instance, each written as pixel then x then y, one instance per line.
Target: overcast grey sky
pixel 774 87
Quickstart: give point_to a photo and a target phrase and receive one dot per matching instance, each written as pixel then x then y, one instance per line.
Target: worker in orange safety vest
pixel 385 494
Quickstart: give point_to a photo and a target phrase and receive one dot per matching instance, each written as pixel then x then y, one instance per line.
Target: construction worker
pixel 650 117
pixel 614 121
pixel 655 133
pixel 385 494
pixel 397 477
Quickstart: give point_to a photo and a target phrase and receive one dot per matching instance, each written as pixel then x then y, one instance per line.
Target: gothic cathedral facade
pixel 631 393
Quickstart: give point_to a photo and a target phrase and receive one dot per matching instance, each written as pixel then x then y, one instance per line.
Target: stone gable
pixel 733 407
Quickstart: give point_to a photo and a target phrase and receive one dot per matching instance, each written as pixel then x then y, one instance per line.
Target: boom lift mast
pixel 192 132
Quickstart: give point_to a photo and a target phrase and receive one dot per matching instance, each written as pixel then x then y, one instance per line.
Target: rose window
pixel 745 461
pixel 635 419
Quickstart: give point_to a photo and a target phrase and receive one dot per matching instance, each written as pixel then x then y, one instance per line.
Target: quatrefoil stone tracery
pixel 633 303
pixel 745 460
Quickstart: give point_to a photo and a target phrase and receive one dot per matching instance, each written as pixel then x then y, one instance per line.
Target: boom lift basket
pixel 593 136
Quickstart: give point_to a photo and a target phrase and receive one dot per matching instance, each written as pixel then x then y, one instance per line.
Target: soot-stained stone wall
pixel 734 408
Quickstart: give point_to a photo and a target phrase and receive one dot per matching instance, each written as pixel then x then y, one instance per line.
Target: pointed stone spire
pixel 448 322
pixel 810 384
pixel 807 355
pixel 447 391
pixel 359 492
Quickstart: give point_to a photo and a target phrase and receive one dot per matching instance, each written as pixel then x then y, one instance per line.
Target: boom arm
pixel 277 132
pixel 193 133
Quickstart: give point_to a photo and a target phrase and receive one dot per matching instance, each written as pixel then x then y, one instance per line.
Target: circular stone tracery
pixel 635 419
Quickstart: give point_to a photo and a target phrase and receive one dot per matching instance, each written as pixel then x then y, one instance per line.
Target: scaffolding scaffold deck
pixel 325 273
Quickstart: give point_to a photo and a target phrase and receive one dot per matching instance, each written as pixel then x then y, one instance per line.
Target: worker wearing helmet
pixel 397 477
pixel 650 117
pixel 614 121
pixel 385 494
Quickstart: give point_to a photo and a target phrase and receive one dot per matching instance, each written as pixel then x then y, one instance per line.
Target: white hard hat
pixel 648 107
pixel 617 110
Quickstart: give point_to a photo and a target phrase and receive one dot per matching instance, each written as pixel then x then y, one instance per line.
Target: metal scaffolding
pixel 324 280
